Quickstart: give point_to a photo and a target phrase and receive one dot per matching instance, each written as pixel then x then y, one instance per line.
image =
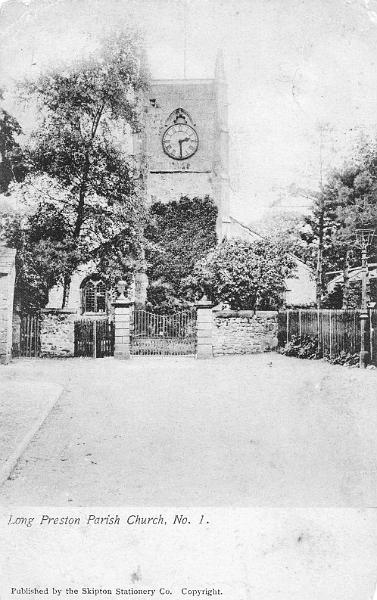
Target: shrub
pixel 345 358
pixel 304 347
pixel 246 275
pixel 307 347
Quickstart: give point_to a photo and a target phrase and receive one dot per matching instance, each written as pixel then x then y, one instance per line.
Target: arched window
pixel 93 295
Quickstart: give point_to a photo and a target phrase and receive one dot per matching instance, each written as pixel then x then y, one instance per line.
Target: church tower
pixel 185 146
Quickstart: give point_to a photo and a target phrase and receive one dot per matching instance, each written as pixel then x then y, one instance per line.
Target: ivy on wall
pixel 178 235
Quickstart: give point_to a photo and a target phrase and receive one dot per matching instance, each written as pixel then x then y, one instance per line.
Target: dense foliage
pixel 36 226
pixel 346 203
pixel 12 163
pixel 87 111
pixel 245 275
pixel 307 347
pixel 179 234
pixel 302 347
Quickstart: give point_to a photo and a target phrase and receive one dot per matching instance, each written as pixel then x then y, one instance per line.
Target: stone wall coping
pixel 225 314
pixel 91 316
pixel 122 303
pixel 203 303
pixel 57 311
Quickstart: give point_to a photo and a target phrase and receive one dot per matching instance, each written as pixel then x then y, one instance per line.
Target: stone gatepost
pixel 204 328
pixel 122 316
pixel 7 278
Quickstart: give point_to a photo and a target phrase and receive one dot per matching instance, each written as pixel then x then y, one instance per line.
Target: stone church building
pixel 183 151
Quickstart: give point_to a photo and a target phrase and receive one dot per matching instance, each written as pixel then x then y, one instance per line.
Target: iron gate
pixel 155 334
pixel 29 343
pixel 94 337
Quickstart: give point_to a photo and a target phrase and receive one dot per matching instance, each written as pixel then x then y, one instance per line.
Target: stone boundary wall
pixel 233 332
pixel 57 333
pixel 244 331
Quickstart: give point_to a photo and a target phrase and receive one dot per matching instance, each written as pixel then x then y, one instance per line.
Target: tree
pixel 246 275
pixel 324 131
pixel 87 111
pixel 178 235
pixel 348 202
pixel 12 165
pixel 317 238
pixel 36 225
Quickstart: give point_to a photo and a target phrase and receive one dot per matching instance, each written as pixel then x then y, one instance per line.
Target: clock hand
pixel 186 139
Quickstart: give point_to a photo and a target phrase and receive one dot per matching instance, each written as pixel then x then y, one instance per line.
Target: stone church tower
pixel 185 144
pixel 183 151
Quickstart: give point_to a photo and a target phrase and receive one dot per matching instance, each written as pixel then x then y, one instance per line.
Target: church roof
pixel 252 233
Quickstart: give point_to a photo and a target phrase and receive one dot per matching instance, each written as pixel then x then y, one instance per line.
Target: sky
pixel 302 74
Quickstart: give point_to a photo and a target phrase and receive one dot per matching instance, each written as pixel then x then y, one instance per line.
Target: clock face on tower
pixel 180 141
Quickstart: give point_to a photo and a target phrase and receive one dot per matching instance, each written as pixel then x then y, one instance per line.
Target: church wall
pixel 198 100
pixel 56 293
pixel 169 179
pixel 172 186
pixel 203 104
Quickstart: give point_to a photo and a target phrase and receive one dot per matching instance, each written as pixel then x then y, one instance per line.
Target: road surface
pixel 240 430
